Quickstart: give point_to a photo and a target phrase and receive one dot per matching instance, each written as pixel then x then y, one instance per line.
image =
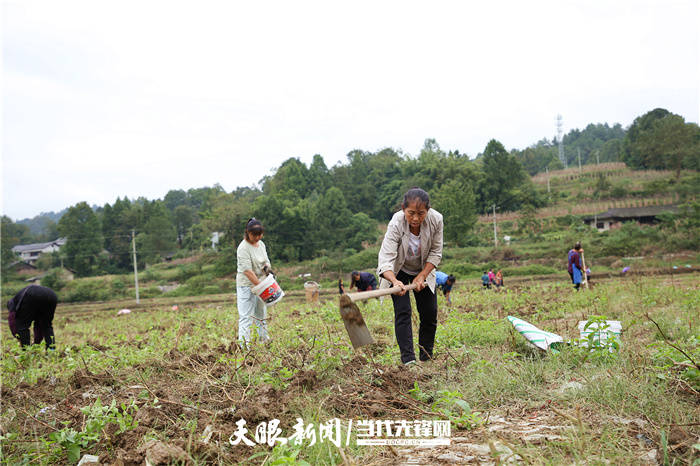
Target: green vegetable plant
pixel 452 405
pixel 97 418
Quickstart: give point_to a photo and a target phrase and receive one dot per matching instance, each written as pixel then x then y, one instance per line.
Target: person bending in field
pixel 36 304
pixel 485 280
pixel 364 281
pixel 445 283
pixel 574 266
pixel 253 267
pixel 410 253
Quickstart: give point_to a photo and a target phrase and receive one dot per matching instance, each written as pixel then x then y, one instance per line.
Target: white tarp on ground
pixel 534 335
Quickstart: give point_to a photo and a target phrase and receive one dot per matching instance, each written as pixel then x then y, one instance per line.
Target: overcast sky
pixel 102 99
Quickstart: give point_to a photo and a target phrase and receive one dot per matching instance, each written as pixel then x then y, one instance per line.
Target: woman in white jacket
pixel 253 265
pixel 411 252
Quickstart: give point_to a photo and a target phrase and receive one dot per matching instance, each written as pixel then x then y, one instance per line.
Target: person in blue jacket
pixel 445 283
pixel 364 281
pixel 485 280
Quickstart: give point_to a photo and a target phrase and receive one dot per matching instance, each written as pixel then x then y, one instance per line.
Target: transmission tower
pixel 560 139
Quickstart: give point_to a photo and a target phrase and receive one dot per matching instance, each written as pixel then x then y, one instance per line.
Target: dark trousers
pixel 38 306
pixel 426 301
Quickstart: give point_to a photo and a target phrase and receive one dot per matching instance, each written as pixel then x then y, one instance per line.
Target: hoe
pixel 352 317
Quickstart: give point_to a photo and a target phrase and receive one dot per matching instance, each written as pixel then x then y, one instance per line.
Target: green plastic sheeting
pixel 541 339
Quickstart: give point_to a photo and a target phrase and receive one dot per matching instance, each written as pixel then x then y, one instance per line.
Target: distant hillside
pixel 37 225
pixel 596 188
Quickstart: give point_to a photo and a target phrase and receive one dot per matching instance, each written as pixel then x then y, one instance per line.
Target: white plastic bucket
pixel 269 290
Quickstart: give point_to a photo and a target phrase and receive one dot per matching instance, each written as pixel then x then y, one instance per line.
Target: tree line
pixel 316 210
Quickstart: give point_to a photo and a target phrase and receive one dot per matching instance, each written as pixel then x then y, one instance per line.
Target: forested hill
pixel 308 210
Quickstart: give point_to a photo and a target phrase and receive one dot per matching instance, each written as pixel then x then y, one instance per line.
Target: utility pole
pixel 579 160
pixel 597 157
pixel 495 237
pixel 549 191
pixel 136 272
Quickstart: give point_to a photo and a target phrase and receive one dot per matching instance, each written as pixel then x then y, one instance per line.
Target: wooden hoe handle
pixel 362 295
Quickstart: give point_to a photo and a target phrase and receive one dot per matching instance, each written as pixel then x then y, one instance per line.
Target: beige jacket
pixel 395 246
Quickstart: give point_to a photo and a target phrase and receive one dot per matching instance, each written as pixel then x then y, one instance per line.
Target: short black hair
pixel 416 194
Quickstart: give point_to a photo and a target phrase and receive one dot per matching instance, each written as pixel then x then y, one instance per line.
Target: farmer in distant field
pixel 253 267
pixel 445 283
pixel 364 281
pixel 36 304
pixel 574 266
pixel 410 253
pixel 485 280
pixel 341 287
pixel 492 277
pixel 499 279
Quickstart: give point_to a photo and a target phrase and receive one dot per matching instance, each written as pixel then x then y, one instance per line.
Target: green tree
pixel 81 228
pixel 286 222
pixel 361 229
pixel 330 220
pixel 631 153
pixel 319 175
pixel 457 204
pixel 158 234
pixel 118 221
pixel 669 143
pixel 371 183
pixel 12 235
pixel 228 215
pixel 602 186
pixel 184 217
pixel 292 175
pixel 502 174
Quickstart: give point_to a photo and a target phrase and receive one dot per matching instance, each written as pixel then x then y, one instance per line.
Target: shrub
pixel 226 262
pixel 53 279
pixel 86 290
pixel 150 292
pixel 197 284
pixel 188 271
pixel 118 286
pixel 618 192
pixel 366 259
pixel 630 238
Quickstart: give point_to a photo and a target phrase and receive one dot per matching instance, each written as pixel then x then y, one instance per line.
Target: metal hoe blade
pixel 354 323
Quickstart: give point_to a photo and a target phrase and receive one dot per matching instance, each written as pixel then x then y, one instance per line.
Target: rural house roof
pixel 635 212
pixel 38 246
pixel 22 265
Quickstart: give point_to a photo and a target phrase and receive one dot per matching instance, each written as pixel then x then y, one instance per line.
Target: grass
pixel 116 383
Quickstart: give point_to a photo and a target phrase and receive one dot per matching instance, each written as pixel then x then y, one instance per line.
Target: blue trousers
pixel 251 310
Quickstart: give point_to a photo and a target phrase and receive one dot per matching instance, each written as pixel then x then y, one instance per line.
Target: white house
pixel 30 253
